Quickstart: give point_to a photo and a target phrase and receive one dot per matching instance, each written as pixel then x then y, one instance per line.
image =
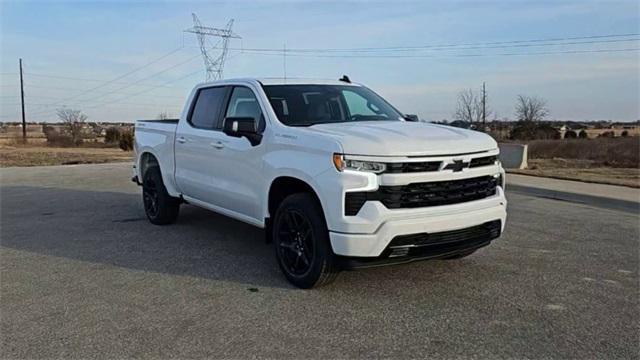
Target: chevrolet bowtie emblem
pixel 456 165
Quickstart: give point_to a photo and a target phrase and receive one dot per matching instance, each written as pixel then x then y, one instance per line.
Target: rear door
pixel 198 143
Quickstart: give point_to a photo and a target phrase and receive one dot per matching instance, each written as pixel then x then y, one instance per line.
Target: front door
pixel 241 189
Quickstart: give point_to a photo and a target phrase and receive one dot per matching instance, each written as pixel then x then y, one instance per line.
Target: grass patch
pixel 39 155
pixel 582 170
pixel 621 152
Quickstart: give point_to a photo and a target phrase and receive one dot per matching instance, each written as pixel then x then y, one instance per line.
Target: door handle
pixel 217 145
pixel 182 140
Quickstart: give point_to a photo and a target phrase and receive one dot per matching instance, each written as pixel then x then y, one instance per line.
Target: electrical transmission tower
pixel 213 65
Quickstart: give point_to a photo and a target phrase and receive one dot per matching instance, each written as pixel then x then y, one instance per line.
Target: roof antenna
pixel 345 78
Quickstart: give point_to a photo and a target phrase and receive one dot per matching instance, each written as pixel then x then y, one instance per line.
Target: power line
pixel 451 55
pixel 145 91
pixel 122 76
pixel 444 48
pixel 131 84
pixel 82 79
pixel 143 79
pixel 430 46
pixel 122 103
pixel 119 100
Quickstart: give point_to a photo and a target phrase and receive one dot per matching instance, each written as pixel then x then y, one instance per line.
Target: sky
pixel 126 60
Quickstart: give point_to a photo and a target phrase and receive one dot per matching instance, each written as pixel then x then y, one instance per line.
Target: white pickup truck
pixel 336 176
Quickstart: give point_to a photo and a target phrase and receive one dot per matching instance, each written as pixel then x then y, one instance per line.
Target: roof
pixel 282 81
pixel 302 81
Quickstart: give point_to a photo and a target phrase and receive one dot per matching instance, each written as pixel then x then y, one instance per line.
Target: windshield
pixel 306 105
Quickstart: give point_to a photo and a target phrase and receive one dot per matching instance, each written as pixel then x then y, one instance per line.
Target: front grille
pixel 429 244
pixel 413 167
pixel 483 161
pixel 424 194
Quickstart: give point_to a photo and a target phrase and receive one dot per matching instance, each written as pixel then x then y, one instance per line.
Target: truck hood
pixel 403 138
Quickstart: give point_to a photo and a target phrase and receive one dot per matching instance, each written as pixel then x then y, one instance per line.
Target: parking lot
pixel 83 274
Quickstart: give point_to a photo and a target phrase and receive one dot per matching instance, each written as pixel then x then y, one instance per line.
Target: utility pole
pixel 484 107
pixel 284 62
pixel 24 122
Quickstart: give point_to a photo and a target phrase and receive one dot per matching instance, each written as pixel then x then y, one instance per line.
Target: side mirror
pixel 411 117
pixel 242 126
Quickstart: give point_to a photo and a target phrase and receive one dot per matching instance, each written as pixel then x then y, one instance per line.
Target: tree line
pixel 530 111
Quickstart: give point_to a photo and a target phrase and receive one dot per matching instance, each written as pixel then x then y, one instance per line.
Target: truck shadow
pixel 111 228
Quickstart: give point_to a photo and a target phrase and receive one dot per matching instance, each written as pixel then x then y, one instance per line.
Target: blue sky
pixel 100 41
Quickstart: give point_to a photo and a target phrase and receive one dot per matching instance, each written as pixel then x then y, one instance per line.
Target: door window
pixel 206 110
pixel 243 103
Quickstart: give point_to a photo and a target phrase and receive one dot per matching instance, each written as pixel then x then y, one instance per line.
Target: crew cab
pixel 336 175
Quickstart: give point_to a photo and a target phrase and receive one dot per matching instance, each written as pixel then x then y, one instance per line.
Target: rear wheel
pixel 302 243
pixel 160 207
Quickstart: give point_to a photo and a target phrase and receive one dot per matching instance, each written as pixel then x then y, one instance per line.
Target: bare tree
pixel 531 108
pixel 469 107
pixel 74 120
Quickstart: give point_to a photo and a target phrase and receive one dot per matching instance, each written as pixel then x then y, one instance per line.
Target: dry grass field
pixel 620 152
pixel 40 154
pixel 582 170
pixel 613 161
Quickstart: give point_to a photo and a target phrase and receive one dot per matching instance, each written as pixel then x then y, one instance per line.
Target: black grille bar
pixel 412 167
pixel 430 166
pixel 486 231
pixel 483 161
pixel 424 194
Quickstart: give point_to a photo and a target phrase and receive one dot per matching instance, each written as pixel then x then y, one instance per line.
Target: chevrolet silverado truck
pixel 337 176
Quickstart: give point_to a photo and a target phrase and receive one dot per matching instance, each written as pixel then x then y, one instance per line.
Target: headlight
pixel 358 165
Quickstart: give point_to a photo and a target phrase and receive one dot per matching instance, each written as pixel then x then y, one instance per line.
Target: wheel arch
pixel 283 186
pixel 147 160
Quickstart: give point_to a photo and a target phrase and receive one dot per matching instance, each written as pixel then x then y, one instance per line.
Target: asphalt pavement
pixel 84 275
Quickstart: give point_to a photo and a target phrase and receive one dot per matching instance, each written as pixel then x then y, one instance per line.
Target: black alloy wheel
pixel 160 207
pixel 302 244
pixel 295 242
pixel 150 197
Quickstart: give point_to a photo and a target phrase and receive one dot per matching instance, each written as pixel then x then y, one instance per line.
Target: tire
pixel 302 244
pixel 461 255
pixel 160 207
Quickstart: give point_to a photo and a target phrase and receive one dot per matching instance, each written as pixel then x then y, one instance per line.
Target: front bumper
pixel 409 222
pixel 424 246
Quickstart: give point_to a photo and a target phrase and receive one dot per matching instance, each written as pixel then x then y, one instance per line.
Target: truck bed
pixel 157 137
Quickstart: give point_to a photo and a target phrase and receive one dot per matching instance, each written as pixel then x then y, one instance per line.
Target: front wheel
pixel 160 207
pixel 302 242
